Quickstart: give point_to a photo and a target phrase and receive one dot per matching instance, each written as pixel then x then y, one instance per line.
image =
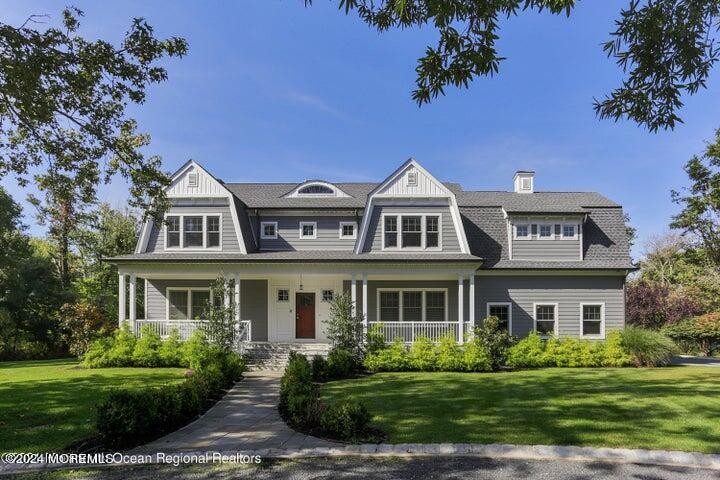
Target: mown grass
pixel 47 405
pixel 676 408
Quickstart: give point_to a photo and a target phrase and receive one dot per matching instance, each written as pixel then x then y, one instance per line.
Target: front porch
pixel 290 304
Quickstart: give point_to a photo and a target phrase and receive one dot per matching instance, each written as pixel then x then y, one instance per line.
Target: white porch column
pixel 471 300
pixel 365 303
pixel 353 293
pixel 133 301
pixel 461 315
pixel 238 315
pixel 226 292
pixel 121 299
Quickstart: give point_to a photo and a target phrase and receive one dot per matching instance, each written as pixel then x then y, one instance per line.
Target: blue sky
pixel 274 91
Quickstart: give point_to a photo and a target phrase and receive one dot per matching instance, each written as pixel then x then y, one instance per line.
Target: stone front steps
pixel 274 356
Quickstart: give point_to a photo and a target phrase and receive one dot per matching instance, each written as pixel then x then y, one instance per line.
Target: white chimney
pixel 524 181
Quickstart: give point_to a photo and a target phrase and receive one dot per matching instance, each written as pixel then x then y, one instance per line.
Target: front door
pixel 304 315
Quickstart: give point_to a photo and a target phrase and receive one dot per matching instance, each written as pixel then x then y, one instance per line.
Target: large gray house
pixel 417 255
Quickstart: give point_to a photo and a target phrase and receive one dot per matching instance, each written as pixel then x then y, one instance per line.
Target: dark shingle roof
pixel 271 195
pixel 538 202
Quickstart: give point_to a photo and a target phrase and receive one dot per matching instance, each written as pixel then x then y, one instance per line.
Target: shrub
pixel 393 358
pixel 613 354
pixel 475 358
pixel 701 333
pixel 422 355
pixel 570 352
pixel 196 350
pixel 171 350
pixel 341 363
pixel 495 340
pixel 347 420
pixel 123 346
pixel 82 324
pixel 319 368
pixel 448 355
pixel 297 392
pixel 527 353
pixel 147 349
pixel 96 356
pixel 345 329
pixel 646 347
pixel 375 338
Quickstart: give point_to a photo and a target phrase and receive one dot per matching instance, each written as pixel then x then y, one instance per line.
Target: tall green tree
pixel 666 47
pixel 700 202
pixel 63 106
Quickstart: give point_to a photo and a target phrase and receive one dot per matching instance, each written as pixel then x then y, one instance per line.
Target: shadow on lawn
pixel 609 407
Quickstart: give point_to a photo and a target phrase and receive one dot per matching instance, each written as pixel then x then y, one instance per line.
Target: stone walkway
pixel 245 419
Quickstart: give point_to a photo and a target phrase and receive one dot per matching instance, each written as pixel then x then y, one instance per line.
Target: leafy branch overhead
pixel 63 102
pixel 665 47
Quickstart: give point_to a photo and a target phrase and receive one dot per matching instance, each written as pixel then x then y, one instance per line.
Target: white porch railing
pixel 409 331
pixel 186 328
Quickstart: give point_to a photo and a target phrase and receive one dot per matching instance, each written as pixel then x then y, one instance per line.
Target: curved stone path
pixel 245 419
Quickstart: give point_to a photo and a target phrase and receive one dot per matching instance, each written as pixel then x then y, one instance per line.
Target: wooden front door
pixel 304 315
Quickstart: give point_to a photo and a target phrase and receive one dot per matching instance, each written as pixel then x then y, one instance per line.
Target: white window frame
pixel 277 293
pixel 324 291
pixel 400 292
pixel 523 186
pixel 575 231
pixel 557 316
pixel 204 232
pixel 423 232
pixel 501 304
pixel 189 291
pixel 552 231
pixel 262 231
pixel 412 179
pixel 602 319
pixel 307 237
pixel 529 231
pixel 345 224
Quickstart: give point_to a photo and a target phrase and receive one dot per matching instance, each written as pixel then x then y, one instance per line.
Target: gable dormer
pixel 202 217
pixel 411 211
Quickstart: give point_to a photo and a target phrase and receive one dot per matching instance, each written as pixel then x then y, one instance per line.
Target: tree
pixel 652 305
pixel 63 103
pixel 666 47
pixel 344 328
pixel 700 215
pixel 221 326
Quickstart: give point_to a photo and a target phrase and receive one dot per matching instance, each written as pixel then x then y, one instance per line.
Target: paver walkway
pixel 245 419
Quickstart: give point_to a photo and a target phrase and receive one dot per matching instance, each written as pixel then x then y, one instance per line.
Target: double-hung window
pixel 193 231
pixel 503 313
pixel 546 231
pixel 390 232
pixel 414 232
pixel 546 315
pixel 412 305
pixel 593 321
pixel 188 303
pixel 411 232
pixel 432 231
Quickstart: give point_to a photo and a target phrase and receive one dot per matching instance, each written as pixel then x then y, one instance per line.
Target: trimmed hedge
pixel 301 407
pixel 131 417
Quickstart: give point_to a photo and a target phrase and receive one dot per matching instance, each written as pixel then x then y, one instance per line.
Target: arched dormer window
pixel 316 189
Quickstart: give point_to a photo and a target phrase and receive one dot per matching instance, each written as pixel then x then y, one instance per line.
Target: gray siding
pixel 156 242
pixel 563 250
pixel 373 241
pixel 253 301
pixel 328 234
pixel 567 291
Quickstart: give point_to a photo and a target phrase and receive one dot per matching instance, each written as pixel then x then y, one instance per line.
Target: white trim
pixel 262 231
pixel 423 232
pixel 461 312
pixel 501 304
pixel 336 192
pixel 189 291
pixel 204 232
pixel 145 299
pixel 602 320
pixel 557 316
pixel 454 209
pixel 307 237
pixel 343 224
pixel 514 231
pixel 142 243
pixel 400 292
pixel 575 231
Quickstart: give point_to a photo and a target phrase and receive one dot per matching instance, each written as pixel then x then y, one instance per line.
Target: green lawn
pixel 47 405
pixel 675 408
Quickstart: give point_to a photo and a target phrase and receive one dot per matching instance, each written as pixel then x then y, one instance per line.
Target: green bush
pixel 347 420
pixel 527 353
pixel 613 354
pixel 131 417
pixel 495 340
pixel 570 352
pixel 341 363
pixel 196 350
pixel 120 354
pixel 700 333
pixel 447 355
pixel 96 355
pixel 393 358
pixel 375 338
pixel 475 358
pixel 170 352
pixel 647 348
pixel 147 348
pixel 319 368
pixel 421 356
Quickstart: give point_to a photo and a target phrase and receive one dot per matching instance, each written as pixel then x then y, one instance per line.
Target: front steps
pixel 274 356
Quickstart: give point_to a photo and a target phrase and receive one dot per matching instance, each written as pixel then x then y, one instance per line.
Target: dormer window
pixel 316 189
pixel 411 232
pixel 200 231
